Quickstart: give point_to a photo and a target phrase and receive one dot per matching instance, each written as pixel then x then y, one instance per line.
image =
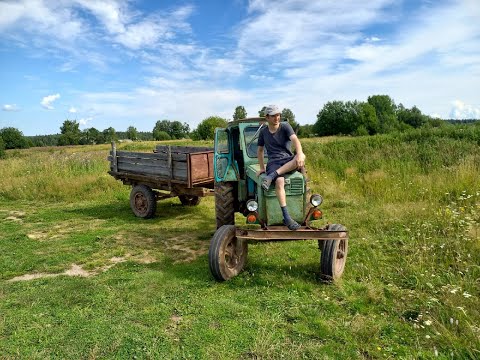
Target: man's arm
pixel 260 154
pixel 298 148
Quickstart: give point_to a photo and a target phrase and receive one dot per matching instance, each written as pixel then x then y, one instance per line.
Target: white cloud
pixel 460 110
pixel 48 100
pixel 72 110
pixel 38 17
pixel 83 122
pixel 10 107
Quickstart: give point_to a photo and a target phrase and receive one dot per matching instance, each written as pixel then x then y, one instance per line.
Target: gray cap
pixel 272 110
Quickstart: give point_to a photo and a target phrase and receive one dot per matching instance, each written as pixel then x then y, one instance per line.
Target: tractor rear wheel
pixel 189 200
pixel 334 255
pixel 143 201
pixel 224 204
pixel 227 254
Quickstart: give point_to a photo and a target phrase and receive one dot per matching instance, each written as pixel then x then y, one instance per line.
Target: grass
pixel 410 289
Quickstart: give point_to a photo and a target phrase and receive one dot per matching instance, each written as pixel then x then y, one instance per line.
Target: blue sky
pixel 120 63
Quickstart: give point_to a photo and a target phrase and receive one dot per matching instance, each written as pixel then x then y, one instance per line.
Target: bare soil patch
pixel 75 270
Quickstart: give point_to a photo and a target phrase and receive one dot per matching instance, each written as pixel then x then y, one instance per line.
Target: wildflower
pixel 428 322
pixel 427 336
pixel 466 294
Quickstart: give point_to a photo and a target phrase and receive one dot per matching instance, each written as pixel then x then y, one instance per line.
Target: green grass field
pixel 83 278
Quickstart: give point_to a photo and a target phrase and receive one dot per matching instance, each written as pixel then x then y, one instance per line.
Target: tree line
pixel 379 114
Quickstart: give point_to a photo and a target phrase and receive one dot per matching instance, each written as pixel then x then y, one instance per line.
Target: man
pixel 277 138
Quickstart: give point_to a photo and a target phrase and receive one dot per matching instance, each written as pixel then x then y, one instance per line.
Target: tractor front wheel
pixel 143 201
pixel 334 255
pixel 227 254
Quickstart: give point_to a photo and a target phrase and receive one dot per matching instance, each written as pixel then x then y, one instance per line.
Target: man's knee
pixel 280 182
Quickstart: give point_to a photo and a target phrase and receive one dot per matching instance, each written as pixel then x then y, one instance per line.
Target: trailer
pixel 166 172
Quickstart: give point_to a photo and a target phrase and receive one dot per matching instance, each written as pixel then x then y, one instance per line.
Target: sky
pixel 121 63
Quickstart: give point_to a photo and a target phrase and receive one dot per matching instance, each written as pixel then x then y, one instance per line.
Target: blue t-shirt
pixel 278 144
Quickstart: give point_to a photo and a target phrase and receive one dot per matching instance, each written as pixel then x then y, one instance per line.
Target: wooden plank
pixel 178 174
pixel 114 166
pixel 155 182
pixel 182 149
pixel 152 162
pixel 170 166
pixel 158 156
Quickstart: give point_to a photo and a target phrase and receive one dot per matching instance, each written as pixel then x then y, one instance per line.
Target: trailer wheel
pixel 143 201
pixel 189 200
pixel 227 254
pixel 334 256
pixel 224 204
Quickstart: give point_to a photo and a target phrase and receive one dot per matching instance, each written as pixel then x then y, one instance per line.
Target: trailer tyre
pixel 334 256
pixel 227 254
pixel 143 201
pixel 189 200
pixel 224 204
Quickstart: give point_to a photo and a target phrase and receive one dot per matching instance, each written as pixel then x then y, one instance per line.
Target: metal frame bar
pixel 282 233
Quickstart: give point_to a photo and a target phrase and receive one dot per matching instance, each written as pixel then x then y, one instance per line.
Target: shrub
pixel 162 135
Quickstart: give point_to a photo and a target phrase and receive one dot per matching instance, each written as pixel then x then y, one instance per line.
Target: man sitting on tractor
pixel 277 138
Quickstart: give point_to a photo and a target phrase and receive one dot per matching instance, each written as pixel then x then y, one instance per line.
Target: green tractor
pixel 238 190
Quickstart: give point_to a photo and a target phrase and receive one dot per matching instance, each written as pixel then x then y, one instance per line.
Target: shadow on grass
pixel 119 210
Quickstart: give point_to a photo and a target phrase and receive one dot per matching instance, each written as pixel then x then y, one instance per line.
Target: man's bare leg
pixel 282 199
pixel 280 191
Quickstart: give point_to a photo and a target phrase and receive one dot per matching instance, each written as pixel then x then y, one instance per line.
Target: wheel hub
pixel 141 203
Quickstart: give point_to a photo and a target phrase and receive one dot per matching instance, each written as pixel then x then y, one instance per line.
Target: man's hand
pixel 300 159
pixel 261 171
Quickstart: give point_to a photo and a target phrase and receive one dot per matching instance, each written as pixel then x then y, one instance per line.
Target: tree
pixel 70 133
pixel 386 112
pixel 240 113
pixel 412 117
pixel 175 129
pixel 179 130
pixel 206 129
pixel 261 113
pixel 109 135
pixel 288 115
pixel 91 136
pixel 330 120
pixel 367 119
pixel 13 138
pixel 132 133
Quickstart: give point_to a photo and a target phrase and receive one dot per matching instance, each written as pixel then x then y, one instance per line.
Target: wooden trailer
pixel 169 171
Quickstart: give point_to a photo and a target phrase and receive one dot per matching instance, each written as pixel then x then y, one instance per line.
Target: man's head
pixel 272 114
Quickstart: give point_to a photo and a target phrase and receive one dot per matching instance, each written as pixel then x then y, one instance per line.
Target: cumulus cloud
pixel 72 110
pixel 10 107
pixel 47 101
pixel 85 121
pixel 460 110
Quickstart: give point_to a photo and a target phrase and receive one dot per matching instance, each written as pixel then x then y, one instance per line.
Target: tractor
pixel 238 190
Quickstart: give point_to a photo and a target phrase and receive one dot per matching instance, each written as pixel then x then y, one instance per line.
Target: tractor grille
pixel 296 186
pixel 293 186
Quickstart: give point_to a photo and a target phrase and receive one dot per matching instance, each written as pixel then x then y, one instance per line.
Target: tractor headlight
pixel 316 200
pixel 252 205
